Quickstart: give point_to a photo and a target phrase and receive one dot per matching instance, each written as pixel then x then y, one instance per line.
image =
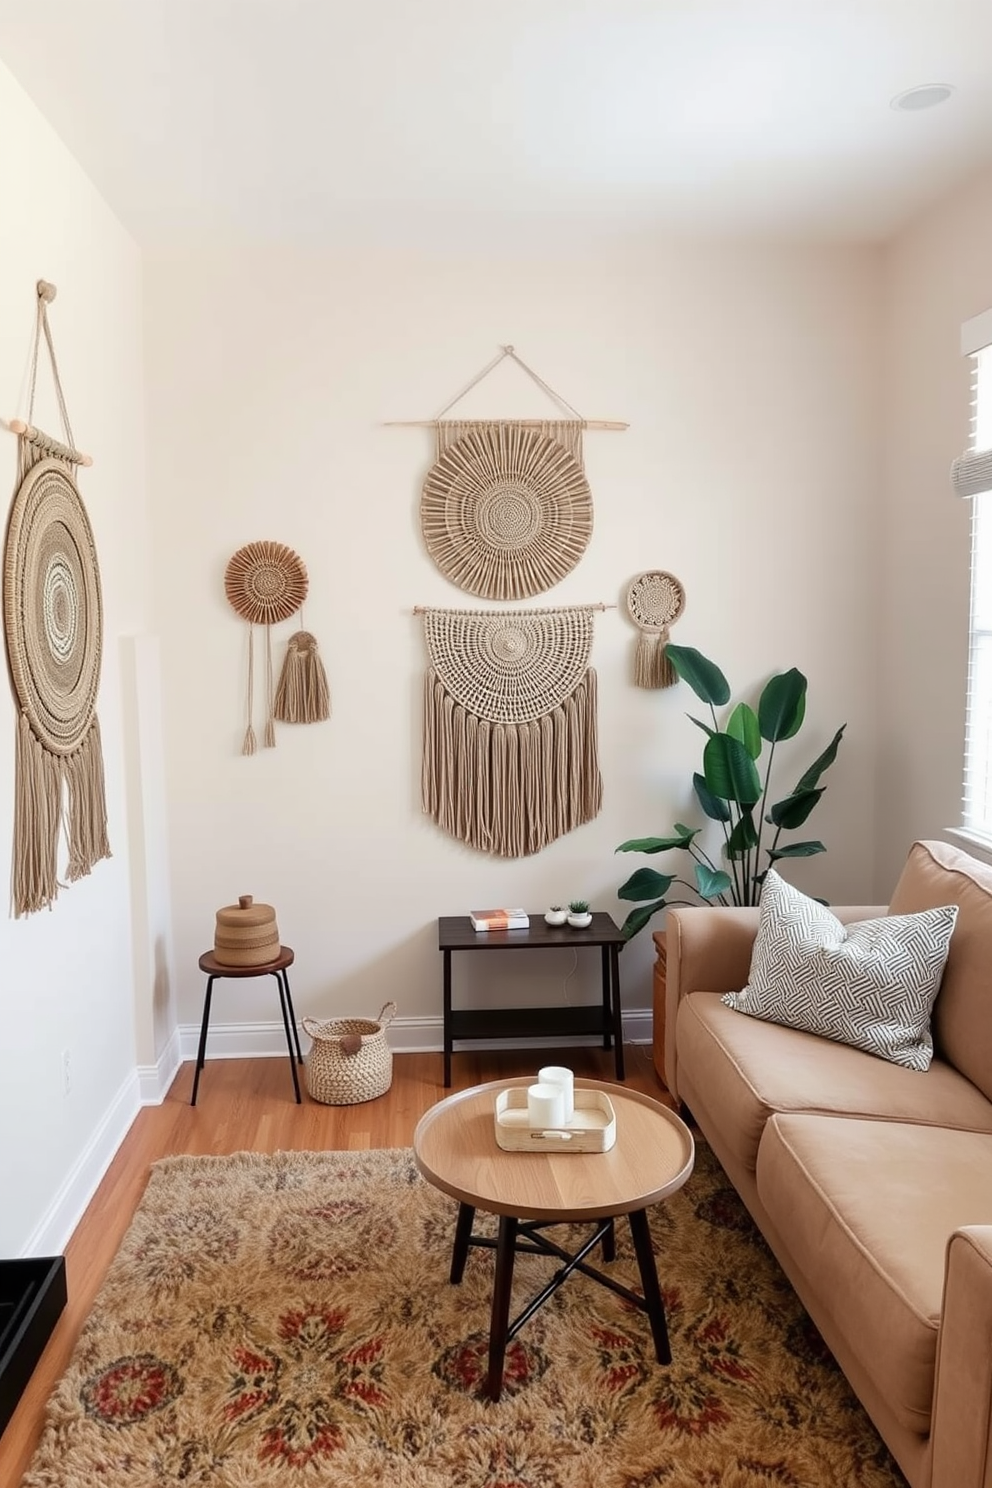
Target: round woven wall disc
pixel 506 512
pixel 266 582
pixel 655 599
pixel 53 608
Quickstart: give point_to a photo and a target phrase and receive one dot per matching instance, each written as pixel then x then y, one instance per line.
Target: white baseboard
pixel 52 1233
pixel 154 1079
pixel 406 1036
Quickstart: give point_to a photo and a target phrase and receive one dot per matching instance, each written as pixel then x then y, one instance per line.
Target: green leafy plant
pixel 578 906
pixel 732 790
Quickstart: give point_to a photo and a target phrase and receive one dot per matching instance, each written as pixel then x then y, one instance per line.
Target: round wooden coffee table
pixel 456 1150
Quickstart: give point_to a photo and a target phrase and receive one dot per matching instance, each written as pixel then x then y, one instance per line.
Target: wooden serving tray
pixel 593 1127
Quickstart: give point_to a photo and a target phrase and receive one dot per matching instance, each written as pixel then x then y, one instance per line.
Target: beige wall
pixel 938 273
pixel 750 379
pixel 68 979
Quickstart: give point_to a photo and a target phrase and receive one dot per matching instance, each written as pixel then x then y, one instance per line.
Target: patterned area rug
pixel 287 1320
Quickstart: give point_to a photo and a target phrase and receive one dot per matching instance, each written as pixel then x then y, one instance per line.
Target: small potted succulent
pixel 578 914
pixel 556 915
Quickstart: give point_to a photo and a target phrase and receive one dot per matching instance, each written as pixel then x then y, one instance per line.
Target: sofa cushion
pixel 936 873
pixel 870 984
pixel 866 1209
pixel 750 1069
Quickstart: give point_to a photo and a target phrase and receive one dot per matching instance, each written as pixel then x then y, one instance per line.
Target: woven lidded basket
pixel 246 934
pixel 350 1060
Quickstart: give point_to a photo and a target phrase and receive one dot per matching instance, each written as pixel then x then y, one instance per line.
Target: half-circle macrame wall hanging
pixel 655 600
pixel 266 583
pixel 53 626
pixel 510 759
pixel 506 511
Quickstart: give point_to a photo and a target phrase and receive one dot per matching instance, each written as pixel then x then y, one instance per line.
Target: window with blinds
pixel 977 804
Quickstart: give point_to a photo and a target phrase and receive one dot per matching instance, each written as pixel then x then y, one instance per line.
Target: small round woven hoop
pixel 53 608
pixel 655 599
pixel 506 512
pixel 350 1060
pixel 266 582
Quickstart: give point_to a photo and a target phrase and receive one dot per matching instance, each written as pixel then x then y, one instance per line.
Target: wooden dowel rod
pixel 426 609
pixel 523 423
pixel 75 457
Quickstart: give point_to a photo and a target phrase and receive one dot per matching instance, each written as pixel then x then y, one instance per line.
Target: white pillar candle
pixel 545 1105
pixel 556 1074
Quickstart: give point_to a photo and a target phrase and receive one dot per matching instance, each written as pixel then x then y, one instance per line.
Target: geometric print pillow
pixel 871 984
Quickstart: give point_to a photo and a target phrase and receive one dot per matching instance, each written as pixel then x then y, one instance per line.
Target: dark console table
pixel 455 933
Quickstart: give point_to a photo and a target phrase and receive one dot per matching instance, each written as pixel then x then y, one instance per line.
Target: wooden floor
pixel 248 1105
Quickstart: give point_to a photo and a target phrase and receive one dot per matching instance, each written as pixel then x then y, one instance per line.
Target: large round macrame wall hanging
pixel 266 583
pixel 655 600
pixel 506 509
pixel 53 625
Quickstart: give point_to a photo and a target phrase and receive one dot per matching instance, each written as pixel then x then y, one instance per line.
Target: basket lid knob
pixel 245 901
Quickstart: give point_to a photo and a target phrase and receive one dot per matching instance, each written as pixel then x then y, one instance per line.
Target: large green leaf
pixel 743 725
pixel 793 810
pixel 711 882
pixel 714 807
pixel 660 844
pixel 703 676
pixel 782 706
pixel 821 763
pixel 646 884
pixel 639 917
pixel 743 837
pixel 797 850
pixel 729 771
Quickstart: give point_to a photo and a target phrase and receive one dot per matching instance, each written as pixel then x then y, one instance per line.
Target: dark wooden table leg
pixel 499 1321
pixel 446 1017
pixel 604 953
pixel 289 1036
pixel 201 1051
pixel 617 1010
pixel 653 1300
pixel 459 1251
pixel 610 1243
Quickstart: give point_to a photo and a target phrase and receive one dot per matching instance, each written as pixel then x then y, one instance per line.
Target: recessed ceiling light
pixel 928 95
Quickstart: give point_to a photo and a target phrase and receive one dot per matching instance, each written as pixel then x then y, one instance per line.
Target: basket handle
pixel 312 1028
pixel 387 1014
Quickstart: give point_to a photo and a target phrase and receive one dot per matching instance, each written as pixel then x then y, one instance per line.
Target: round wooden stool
pixel 276 968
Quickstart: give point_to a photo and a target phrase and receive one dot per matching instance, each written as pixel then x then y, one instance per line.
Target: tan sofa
pixel 872 1183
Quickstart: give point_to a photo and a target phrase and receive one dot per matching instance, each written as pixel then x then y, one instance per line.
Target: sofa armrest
pixel 708 949
pixel 962 1407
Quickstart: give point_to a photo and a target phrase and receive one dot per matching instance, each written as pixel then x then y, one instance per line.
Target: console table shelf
pixel 603 1019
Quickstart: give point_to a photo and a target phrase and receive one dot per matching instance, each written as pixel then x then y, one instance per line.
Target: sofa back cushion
pixel 936 873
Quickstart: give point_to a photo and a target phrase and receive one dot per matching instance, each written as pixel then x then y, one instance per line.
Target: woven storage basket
pixel 350 1060
pixel 246 934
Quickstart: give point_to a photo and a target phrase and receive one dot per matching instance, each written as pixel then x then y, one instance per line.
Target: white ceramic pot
pixel 555 916
pixel 579 921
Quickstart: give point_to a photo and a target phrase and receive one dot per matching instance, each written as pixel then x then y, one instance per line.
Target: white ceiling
pixel 416 122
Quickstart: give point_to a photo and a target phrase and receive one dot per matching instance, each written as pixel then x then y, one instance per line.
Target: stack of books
pixel 500 919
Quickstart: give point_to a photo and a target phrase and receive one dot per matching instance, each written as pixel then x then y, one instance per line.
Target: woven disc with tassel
pixel 655 600
pixel 265 582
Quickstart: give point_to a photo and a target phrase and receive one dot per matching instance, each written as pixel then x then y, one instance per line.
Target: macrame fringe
pixel 38 790
pixel 303 694
pixel 510 788
pixel 652 665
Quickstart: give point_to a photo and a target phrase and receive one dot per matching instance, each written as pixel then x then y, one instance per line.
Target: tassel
pixel 303 695
pixel 87 806
pixel 37 808
pixel 652 667
pixel 250 744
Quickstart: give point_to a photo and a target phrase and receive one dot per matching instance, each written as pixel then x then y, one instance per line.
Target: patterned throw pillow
pixel 870 984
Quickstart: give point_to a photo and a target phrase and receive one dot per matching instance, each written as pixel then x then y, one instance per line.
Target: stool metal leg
pixel 201 1051
pixel 289 1036
pixel 292 1015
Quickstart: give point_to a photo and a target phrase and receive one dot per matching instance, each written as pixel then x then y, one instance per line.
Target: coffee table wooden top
pixel 455 1148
